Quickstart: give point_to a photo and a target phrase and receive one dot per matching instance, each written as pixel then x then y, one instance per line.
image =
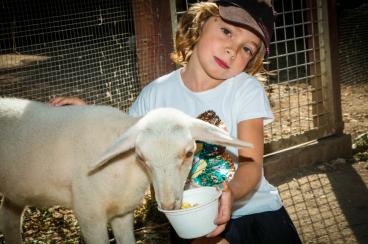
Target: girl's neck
pixel 197 80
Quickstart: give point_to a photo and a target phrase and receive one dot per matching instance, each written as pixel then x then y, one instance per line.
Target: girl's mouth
pixel 221 63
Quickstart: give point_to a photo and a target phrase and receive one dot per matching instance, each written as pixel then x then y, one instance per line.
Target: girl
pixel 221 46
pixel 217 44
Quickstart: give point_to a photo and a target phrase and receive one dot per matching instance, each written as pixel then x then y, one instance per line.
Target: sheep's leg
pixel 123 229
pixel 10 221
pixel 93 227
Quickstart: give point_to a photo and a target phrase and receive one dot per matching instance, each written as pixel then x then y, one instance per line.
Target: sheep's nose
pixel 168 206
pixel 178 203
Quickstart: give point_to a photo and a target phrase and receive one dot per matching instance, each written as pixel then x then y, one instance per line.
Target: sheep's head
pixel 164 142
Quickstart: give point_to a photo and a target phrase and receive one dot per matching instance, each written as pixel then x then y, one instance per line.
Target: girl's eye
pixel 248 51
pixel 226 31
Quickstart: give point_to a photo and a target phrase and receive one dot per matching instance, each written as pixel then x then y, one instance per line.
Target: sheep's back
pixel 42 147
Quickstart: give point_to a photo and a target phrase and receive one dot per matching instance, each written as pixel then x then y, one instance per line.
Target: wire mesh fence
pixel 68 48
pixel 353 57
pixel 90 49
pixel 292 60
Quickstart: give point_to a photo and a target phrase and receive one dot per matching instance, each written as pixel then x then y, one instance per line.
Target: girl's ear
pixel 201 27
pixel 203 23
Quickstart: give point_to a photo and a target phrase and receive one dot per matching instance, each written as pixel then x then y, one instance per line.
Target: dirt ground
pixel 355 108
pixel 328 202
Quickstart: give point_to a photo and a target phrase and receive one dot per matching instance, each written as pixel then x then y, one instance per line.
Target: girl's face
pixel 224 50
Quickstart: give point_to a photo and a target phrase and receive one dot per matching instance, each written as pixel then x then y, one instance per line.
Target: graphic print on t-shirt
pixel 212 165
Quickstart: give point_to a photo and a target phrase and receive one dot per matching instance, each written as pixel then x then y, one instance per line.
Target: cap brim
pixel 239 16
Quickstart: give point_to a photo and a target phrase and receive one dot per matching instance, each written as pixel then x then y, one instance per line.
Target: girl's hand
pixel 225 210
pixel 62 101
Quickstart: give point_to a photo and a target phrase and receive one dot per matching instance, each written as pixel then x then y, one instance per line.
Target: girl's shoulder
pixel 153 94
pixel 164 80
pixel 245 82
pixel 161 84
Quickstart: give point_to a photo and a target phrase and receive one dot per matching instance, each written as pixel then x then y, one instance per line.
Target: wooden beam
pixel 335 69
pixel 154 42
pixel 287 162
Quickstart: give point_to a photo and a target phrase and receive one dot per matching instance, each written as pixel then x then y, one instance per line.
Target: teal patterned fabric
pixel 210 167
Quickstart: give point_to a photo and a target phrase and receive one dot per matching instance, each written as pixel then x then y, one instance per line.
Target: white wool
pixel 84 158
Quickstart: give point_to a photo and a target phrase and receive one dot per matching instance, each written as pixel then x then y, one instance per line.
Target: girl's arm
pixel 249 171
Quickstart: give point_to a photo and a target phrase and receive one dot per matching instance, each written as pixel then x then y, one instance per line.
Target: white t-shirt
pixel 234 100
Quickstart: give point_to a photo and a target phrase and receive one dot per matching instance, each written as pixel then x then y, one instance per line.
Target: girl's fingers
pixel 61 101
pixel 219 229
pixel 225 209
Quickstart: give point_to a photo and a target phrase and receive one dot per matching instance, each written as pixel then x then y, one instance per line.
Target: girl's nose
pixel 230 52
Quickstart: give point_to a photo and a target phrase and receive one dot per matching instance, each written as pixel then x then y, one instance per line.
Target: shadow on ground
pixel 328 202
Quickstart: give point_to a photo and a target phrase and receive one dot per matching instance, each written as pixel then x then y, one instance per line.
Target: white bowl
pixel 199 220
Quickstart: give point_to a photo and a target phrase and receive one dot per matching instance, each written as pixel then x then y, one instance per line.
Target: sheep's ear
pixel 123 143
pixel 207 132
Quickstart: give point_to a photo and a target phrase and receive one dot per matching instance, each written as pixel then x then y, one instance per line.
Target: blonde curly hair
pixel 189 30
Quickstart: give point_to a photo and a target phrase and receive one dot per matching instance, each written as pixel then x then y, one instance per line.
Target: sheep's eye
pixel 139 157
pixel 189 154
pixel 248 51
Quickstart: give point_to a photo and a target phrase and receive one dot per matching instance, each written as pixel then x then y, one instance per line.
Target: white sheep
pixel 96 160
